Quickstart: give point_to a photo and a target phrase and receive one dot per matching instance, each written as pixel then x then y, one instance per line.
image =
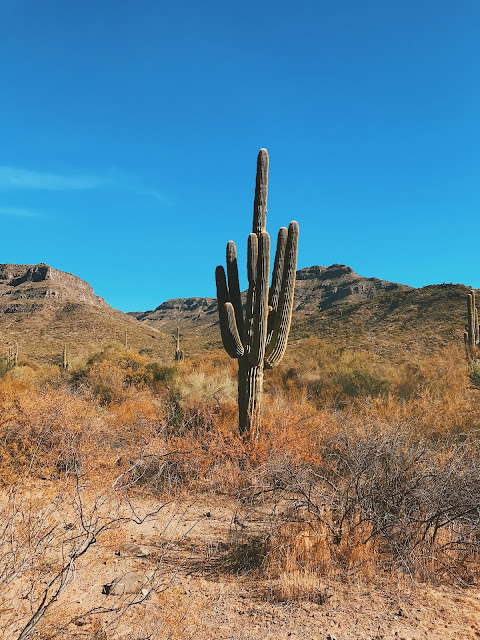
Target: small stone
pixel 130 582
pixel 134 549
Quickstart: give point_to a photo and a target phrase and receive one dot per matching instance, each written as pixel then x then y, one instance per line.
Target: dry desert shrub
pixel 48 533
pixel 333 375
pixel 41 429
pixel 379 497
pixel 365 465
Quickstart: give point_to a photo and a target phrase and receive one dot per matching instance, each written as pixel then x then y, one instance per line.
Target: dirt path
pixel 212 594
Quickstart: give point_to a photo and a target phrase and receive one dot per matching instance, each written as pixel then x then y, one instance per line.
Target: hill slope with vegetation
pixel 42 308
pixel 335 303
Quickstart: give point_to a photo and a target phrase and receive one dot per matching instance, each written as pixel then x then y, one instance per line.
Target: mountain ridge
pixel 317 288
pixel 336 303
pixel 43 308
pixel 37 278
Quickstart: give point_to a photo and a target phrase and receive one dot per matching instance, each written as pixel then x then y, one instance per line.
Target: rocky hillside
pixel 28 287
pixel 181 312
pixel 43 308
pixel 317 289
pixel 321 288
pixel 393 322
pixel 335 302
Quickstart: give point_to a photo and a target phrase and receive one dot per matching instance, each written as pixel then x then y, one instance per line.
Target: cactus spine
pixel 178 351
pixel 257 340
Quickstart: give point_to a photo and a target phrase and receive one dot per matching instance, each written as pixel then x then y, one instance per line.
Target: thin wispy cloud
pixel 152 193
pixel 15 178
pixel 19 212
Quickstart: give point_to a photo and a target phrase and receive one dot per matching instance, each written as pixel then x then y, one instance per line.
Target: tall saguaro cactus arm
pixel 229 331
pixel 257 339
pixel 261 191
pixel 282 306
pixel 471 318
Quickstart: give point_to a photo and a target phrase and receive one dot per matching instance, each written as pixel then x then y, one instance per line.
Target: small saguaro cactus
pixel 178 351
pixel 471 335
pixel 126 340
pixel 12 355
pixel 65 365
pixel 258 340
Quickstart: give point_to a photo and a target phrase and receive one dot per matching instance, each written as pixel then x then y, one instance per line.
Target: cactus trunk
pixel 259 339
pixel 250 391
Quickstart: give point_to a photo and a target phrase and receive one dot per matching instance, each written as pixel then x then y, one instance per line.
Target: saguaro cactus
pixel 178 351
pixel 11 356
pixel 472 329
pixel 259 339
pixel 65 365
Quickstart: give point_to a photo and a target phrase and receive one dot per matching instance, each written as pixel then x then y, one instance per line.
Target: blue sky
pixel 129 134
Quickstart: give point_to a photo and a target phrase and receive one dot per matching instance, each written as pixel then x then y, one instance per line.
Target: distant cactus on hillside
pixel 178 351
pixel 259 339
pixel 471 334
pixel 11 356
pixel 65 364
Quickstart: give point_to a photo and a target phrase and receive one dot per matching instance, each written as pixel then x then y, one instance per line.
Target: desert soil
pixel 205 597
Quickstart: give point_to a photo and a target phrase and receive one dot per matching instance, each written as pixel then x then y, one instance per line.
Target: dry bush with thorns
pixel 46 531
pixel 379 497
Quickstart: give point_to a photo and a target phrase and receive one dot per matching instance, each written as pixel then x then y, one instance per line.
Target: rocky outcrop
pixel 41 283
pixel 42 309
pixel 181 310
pixel 319 288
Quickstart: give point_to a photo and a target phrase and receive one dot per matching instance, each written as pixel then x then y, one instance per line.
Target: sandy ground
pixel 206 596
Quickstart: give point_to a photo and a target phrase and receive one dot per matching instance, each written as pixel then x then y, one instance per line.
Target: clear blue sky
pixel 129 134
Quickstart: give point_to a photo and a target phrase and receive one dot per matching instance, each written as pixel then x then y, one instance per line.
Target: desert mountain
pixel 317 289
pixel 43 308
pixel 27 288
pixel 335 302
